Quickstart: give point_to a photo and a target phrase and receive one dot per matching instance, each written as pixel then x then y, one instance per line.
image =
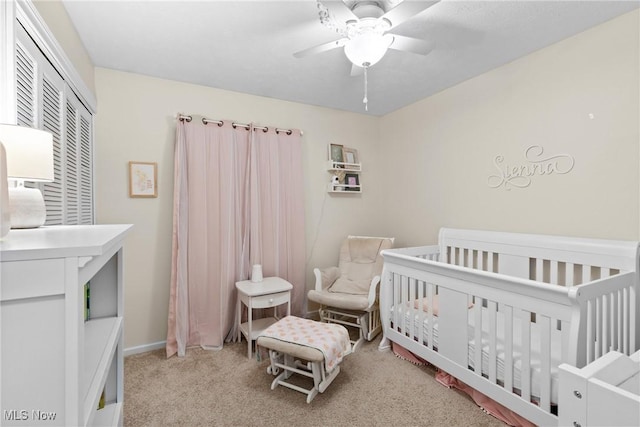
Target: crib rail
pixel 520 330
pixel 608 318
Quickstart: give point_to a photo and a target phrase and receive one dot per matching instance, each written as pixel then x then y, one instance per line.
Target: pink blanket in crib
pixel 331 339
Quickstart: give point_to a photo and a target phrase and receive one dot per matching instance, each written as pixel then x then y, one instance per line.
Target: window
pixel 45 101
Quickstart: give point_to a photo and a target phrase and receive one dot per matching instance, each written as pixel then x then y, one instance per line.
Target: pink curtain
pixel 210 238
pixel 238 201
pixel 277 209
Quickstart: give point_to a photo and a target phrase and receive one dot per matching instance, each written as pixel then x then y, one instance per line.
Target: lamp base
pixel 27 207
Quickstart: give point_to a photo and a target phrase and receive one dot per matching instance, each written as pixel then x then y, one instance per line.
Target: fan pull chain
pixel 366 87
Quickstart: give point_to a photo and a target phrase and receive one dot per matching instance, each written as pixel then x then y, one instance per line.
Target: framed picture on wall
pixel 350 155
pixel 143 179
pixel 352 181
pixel 335 153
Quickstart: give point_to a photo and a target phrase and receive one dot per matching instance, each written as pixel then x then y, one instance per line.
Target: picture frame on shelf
pixel 352 182
pixel 143 179
pixel 350 155
pixel 335 153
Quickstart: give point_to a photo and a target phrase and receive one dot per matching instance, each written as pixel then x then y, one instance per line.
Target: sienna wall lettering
pixel 535 164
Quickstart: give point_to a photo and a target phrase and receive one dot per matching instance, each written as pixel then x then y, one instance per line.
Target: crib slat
pixel 606 323
pixel 412 307
pixel 586 274
pixel 569 280
pixel 508 348
pixel 591 331
pixel 613 332
pixel 430 296
pixel 525 369
pixel 621 319
pixel 539 270
pixel 421 296
pixel 544 325
pixel 470 258
pixel 404 283
pixel 396 301
pixel 624 329
pixel 493 341
pixel 626 321
pixel 598 351
pixel 553 279
pixel 477 336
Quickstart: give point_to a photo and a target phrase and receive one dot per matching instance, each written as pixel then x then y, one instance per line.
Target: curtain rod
pixel 235 125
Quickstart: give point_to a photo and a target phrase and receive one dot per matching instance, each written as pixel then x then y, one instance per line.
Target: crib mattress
pixel 535 363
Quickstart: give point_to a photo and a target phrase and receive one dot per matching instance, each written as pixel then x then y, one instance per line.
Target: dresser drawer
pixel 270 300
pixel 30 279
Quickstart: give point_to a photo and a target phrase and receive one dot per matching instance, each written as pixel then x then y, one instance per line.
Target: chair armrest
pixel 373 291
pixel 325 277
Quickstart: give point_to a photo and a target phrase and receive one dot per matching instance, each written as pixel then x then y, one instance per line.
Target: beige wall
pixel 136 121
pixel 439 152
pixel 431 159
pixel 58 21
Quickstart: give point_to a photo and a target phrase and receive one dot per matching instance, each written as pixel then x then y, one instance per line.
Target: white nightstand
pixel 270 293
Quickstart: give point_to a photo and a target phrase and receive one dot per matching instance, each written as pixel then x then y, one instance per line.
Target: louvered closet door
pixel 46 102
pixel 77 180
pixel 53 122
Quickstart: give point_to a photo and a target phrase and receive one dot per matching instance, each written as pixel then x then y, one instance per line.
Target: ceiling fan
pixel 364 27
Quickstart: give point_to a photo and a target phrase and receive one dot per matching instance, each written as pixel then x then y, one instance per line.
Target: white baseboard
pixel 144 348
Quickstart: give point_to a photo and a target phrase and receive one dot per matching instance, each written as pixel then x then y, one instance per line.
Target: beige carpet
pixel 226 388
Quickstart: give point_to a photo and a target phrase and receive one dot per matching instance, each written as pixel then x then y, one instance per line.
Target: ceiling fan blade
pixel 321 48
pixel 405 10
pixel 356 71
pixel 409 44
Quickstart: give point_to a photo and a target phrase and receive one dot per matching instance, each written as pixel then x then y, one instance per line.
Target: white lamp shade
pixel 367 48
pixel 29 153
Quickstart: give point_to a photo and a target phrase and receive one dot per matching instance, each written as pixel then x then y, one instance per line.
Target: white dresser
pixel 55 365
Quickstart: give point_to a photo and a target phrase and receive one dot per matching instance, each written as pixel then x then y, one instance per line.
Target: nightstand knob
pixel 270 300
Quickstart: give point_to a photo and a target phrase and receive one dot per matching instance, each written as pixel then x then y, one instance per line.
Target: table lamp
pixel 29 154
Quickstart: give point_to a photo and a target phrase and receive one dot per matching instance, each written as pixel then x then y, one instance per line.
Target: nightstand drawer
pixel 270 300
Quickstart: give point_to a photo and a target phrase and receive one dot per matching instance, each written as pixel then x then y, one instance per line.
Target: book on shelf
pixel 103 398
pixel 87 297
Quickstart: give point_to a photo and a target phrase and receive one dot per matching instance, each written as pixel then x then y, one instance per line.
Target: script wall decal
pixel 535 164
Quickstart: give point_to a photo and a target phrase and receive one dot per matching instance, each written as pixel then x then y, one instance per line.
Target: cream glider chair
pixel 348 294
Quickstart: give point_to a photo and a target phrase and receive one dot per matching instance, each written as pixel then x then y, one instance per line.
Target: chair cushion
pixel 359 262
pixel 344 301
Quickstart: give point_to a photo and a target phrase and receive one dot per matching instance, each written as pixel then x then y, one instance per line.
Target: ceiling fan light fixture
pixel 367 48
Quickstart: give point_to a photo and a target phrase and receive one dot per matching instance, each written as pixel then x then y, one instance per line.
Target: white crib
pixel 501 311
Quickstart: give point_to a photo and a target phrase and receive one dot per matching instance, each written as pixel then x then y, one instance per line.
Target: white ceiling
pixel 248 46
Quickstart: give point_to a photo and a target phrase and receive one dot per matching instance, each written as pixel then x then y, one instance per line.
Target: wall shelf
pixel 342 166
pixel 351 170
